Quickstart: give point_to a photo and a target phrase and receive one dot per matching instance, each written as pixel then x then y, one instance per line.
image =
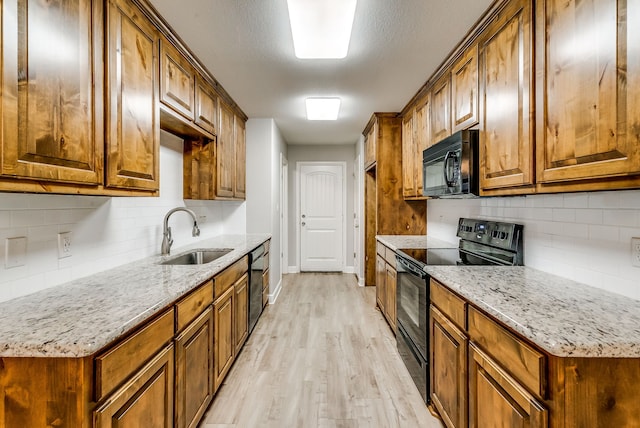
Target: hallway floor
pixel 322 356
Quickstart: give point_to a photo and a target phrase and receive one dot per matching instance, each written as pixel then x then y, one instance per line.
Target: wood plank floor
pixel 322 356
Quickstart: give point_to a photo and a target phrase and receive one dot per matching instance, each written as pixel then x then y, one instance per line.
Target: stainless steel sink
pixel 198 257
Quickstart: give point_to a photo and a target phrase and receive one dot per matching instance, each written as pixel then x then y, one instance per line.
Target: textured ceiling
pixel 395 46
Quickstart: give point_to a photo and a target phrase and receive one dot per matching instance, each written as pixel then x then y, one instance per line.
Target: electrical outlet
pixel 16 252
pixel 64 245
pixel 635 252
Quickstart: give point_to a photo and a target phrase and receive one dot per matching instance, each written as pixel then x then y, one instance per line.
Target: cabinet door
pixel 448 370
pixel 52 80
pixel 381 278
pixel 144 401
pixel 588 106
pixel 241 312
pixel 441 108
pixel 507 106
pixel 194 370
pixel 223 343
pixel 240 187
pixel 225 164
pixel 199 169
pixel 496 400
pixel 409 159
pixel 370 142
pixel 422 140
pixel 133 128
pixel 206 106
pixel 177 80
pixel 464 90
pixel 390 288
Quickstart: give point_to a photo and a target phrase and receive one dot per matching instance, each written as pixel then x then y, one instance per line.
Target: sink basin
pixel 197 257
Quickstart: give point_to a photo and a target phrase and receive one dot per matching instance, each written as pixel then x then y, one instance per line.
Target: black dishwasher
pixel 256 260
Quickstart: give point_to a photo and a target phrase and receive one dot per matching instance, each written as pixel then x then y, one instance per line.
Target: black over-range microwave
pixel 450 168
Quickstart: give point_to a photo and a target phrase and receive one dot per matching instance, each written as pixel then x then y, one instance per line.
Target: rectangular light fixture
pixel 321 28
pixel 322 108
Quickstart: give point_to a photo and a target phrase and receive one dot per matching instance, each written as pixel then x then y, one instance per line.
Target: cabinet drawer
pixel 191 306
pixel 267 244
pixel 450 304
pixel 224 280
pixel 390 257
pixel 380 248
pixel 523 362
pixel 115 365
pixel 265 263
pixel 265 280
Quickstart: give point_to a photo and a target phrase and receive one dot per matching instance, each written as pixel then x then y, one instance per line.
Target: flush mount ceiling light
pixel 321 28
pixel 323 108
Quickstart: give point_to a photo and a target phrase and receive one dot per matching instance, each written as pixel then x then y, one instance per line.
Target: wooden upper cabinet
pixel 370 143
pixel 422 140
pixel 507 104
pixel 177 80
pixel 588 100
pixel 240 186
pixel 408 156
pixel 52 80
pixel 464 90
pixel 133 128
pixel 206 106
pixel 441 108
pixel 225 165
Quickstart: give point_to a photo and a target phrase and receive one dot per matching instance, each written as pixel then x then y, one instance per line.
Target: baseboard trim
pixel 293 269
pixel 274 296
pixel 348 269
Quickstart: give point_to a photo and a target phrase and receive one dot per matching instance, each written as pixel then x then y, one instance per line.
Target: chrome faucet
pixel 167 240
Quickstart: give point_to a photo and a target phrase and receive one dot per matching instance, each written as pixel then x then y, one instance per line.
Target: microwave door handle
pixel 448 180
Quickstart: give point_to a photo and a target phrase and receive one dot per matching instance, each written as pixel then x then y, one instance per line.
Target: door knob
pixel 303 223
pixel 304 216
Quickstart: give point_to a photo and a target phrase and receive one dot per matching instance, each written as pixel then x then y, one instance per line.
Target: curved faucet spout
pixel 167 240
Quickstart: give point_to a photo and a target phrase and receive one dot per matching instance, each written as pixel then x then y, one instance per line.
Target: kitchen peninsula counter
pixel 563 317
pixel 78 318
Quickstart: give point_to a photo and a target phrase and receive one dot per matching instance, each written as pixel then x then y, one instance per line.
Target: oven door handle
pixel 411 268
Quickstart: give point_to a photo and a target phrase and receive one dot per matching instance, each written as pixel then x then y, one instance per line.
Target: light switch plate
pixel 15 252
pixel 64 245
pixel 635 252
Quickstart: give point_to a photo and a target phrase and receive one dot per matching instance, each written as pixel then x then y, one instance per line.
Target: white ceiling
pixel 395 46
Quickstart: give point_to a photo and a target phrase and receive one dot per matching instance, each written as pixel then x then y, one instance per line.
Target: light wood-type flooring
pixel 321 356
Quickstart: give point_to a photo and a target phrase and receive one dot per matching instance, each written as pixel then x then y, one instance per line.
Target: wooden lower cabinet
pixel 223 343
pixel 241 311
pixel 448 361
pixel 194 370
pixel 144 401
pixel 390 290
pixel 381 292
pixel 496 399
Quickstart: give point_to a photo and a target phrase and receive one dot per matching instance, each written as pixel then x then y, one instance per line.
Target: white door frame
pixel 342 164
pixel 284 214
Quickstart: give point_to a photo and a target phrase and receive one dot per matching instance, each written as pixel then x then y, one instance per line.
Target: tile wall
pixel 105 231
pixel 582 236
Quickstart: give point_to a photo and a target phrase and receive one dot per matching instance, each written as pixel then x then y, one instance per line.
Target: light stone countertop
pixel 78 318
pixel 563 317
pixel 396 242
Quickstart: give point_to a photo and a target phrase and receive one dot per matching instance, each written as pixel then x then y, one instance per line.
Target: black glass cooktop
pixel 434 256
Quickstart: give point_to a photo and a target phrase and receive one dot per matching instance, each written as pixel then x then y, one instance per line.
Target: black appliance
pixel 450 167
pixel 256 268
pixel 482 242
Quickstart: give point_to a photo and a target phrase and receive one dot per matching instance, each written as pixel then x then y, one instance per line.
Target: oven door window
pixel 412 308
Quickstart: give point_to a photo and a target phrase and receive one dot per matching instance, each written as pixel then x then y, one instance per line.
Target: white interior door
pixel 321 217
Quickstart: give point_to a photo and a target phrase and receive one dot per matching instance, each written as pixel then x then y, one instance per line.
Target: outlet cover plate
pixel 15 252
pixel 64 245
pixel 635 252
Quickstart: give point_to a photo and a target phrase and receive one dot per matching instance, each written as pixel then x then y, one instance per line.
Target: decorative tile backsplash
pixel 106 231
pixel 581 236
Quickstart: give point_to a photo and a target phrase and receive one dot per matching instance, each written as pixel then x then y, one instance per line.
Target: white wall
pixel 264 147
pixel 582 236
pixel 106 231
pixel 319 153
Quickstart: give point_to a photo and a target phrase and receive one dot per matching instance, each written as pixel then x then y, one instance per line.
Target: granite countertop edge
pixel 79 318
pixel 396 242
pixel 562 317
